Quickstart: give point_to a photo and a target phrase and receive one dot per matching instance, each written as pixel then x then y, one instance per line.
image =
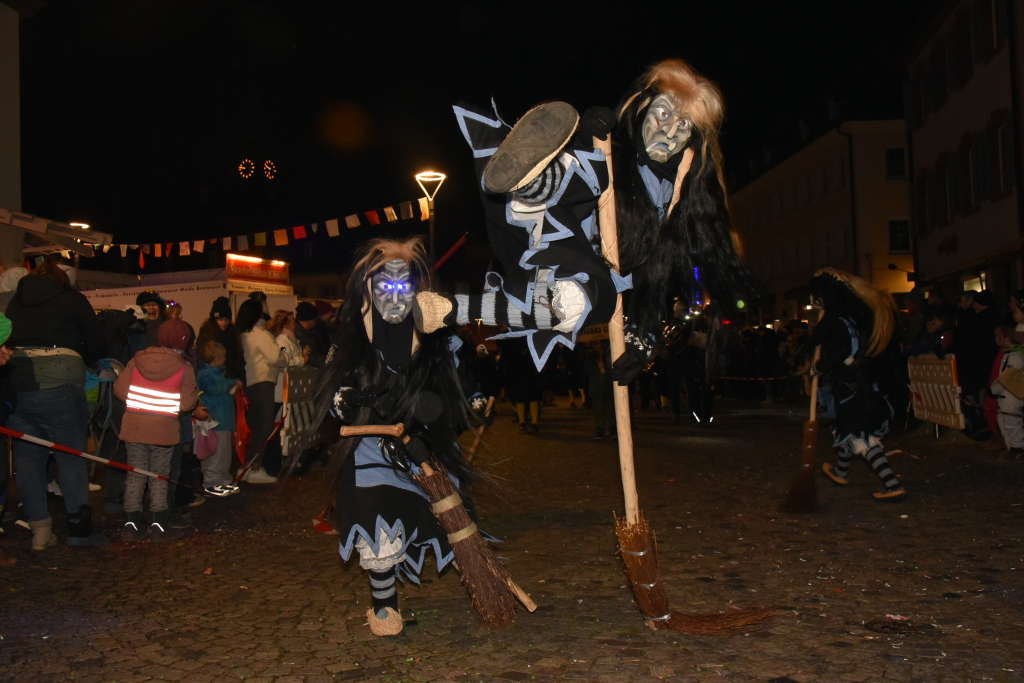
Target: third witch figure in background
pixel 855 334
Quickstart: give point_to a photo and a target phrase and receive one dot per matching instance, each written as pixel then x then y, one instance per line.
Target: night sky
pixel 135 115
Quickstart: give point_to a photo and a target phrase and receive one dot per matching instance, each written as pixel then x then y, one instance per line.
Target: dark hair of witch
pixel 843 294
pixel 429 396
pixel 693 250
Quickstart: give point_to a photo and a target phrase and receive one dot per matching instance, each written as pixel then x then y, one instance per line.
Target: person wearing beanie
pixel 219 328
pixel 157 386
pixel 313 332
pixel 155 308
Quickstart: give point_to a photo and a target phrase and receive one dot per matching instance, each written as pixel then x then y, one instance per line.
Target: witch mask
pixel 393 291
pixel 666 128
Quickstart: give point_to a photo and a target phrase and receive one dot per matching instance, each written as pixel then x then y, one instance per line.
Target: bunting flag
pixel 393 213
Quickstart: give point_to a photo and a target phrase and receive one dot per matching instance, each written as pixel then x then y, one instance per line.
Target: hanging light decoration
pixel 269 169
pixel 246 168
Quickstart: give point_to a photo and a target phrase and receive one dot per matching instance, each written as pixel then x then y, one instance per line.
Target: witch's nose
pixel 672 131
pixel 394 296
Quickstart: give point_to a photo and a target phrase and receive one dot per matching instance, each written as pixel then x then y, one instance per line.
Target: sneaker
pixel 891 495
pixel 94 487
pixel 258 477
pixel 218 491
pixel 54 488
pixel 132 534
pixel 197 501
pixel 232 489
pixel 830 472
pixel 158 534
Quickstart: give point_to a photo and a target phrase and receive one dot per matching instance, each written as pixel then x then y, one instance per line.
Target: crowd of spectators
pixel 138 387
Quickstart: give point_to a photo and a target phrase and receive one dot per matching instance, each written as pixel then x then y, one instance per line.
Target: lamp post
pixel 429 177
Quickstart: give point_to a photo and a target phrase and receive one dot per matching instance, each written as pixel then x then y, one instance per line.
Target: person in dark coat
pixel 975 349
pixel 312 332
pixel 56 335
pixel 155 308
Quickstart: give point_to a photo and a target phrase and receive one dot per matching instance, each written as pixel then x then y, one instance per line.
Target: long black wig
pixel 427 394
pixel 692 250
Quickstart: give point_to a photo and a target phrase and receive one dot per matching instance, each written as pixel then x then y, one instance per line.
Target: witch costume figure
pixel 857 350
pixel 384 372
pixel 540 182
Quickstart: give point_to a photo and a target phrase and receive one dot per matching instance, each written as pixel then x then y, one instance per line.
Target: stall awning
pixel 43 236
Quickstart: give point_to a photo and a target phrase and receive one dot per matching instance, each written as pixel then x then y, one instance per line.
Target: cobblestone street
pixel 280 606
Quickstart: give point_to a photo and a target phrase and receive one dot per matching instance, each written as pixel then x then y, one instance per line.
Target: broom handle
pixel 617 339
pixel 395 430
pixel 814 385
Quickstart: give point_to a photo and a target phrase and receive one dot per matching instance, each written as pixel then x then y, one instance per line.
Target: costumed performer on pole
pixel 857 352
pixel 384 371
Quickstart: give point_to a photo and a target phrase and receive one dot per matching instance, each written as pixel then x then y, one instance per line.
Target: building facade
pixel 962 81
pixel 841 202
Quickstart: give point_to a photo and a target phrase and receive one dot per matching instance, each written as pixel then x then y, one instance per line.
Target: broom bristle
pixel 486 579
pixel 640 555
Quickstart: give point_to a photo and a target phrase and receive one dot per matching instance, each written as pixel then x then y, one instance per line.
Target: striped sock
pixel 382 585
pixel 843 463
pixel 494 309
pixel 880 464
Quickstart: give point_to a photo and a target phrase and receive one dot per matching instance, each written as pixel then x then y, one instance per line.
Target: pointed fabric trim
pixel 198 246
pixel 183 249
pixel 424 209
pixel 124 250
pixel 389 212
pixel 106 248
pixel 281 237
pixel 332 227
pixel 299 232
pixel 373 217
pixel 158 250
pixel 243 243
pixel 260 239
pixel 352 221
pixel 406 209
pixel 226 243
pixel 142 259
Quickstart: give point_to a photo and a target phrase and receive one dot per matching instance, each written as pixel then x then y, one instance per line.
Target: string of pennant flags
pixel 279 237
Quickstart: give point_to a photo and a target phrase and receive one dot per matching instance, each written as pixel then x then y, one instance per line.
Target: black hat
pixel 306 311
pixel 221 308
pixel 149 297
pixel 985 298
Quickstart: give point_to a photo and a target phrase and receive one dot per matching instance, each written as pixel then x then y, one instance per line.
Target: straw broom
pixel 803 495
pixel 636 541
pixel 489 584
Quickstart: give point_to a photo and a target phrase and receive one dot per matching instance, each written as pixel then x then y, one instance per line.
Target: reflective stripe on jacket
pixel 149 397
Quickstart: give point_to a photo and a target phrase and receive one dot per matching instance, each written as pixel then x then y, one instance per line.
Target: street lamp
pixel 430 177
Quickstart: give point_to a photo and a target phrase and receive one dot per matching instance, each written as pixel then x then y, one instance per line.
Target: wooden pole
pixel 617 339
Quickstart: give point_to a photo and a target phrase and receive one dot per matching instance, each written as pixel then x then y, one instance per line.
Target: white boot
pixel 42 534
